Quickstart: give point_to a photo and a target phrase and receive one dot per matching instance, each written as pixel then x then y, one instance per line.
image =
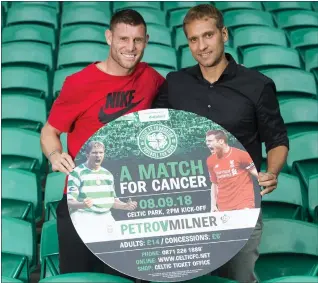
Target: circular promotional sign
pixel 164 195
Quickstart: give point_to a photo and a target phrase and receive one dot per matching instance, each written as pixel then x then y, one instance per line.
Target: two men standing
pixel 242 101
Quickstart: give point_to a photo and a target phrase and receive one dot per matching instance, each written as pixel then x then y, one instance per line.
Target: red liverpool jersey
pixel 231 174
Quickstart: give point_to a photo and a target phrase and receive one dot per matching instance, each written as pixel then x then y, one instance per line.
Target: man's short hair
pixel 129 17
pixel 92 144
pixel 202 11
pixel 219 135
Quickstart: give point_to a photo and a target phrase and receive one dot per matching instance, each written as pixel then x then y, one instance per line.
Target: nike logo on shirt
pixel 115 100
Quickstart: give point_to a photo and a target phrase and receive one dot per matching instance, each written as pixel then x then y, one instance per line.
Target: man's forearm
pixel 119 204
pixel 50 141
pixel 213 195
pixel 76 204
pixel 276 159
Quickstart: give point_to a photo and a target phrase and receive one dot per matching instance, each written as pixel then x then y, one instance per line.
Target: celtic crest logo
pixel 157 141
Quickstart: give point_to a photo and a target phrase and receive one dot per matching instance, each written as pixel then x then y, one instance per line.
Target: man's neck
pixel 212 74
pixel 226 149
pixel 91 167
pixel 111 67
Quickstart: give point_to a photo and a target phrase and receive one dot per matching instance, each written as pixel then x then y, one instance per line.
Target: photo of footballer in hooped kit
pixel 232 174
pixel 91 196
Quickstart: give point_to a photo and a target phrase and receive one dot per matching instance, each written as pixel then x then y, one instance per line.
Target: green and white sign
pixel 164 195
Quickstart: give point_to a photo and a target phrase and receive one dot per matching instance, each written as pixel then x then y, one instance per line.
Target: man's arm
pixel 52 149
pixel 130 205
pixel 214 192
pixel 273 132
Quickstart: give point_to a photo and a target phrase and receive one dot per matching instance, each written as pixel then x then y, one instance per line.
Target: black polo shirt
pixel 242 101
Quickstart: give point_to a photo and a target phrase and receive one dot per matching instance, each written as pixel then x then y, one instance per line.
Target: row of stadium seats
pixel 19 255
pixel 81 53
pixel 289 17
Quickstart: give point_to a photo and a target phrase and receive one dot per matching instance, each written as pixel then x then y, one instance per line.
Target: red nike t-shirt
pixel 91 98
pixel 231 174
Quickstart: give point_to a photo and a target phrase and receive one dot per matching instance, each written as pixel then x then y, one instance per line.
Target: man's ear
pixel 225 34
pixel 109 36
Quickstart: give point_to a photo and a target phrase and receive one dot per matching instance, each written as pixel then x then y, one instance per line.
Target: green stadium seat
pixel 28 113
pixel 163 71
pixel 51 4
pixel 152 16
pixel 236 5
pixel 306 140
pixel 18 250
pixel 292 82
pixel 171 6
pixel 302 162
pixel 187 59
pixel 293 279
pixel 315 6
pixel 21 195
pixel 5 6
pixel 240 18
pixel 60 76
pixel 85 15
pixel 176 18
pixel 258 35
pixel 6 279
pixel 54 188
pixel 49 250
pixel 276 6
pixel 264 57
pixel 311 59
pixel 102 5
pixel 82 33
pixel 160 56
pixel 85 277
pixel 181 40
pixel 28 32
pixel 313 197
pixel 32 14
pixel 292 20
pixel 120 5
pixel 81 54
pixel 159 35
pixel 30 54
pixel 304 38
pixel 21 150
pixel 288 248
pixel 26 80
pixel 303 119
pixel 285 201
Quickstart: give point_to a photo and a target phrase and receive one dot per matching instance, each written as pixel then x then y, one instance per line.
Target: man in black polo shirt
pixel 242 101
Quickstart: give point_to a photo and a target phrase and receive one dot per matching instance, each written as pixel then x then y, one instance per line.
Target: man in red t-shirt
pixel 231 171
pixel 89 99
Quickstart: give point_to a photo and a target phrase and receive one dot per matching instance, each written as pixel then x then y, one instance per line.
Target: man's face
pixel 127 44
pixel 206 41
pixel 214 145
pixel 96 156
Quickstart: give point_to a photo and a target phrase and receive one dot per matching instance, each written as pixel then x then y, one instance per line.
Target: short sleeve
pixel 73 186
pixel 246 161
pixel 65 109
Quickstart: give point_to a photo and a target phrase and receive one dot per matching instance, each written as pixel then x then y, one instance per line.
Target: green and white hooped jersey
pixel 95 184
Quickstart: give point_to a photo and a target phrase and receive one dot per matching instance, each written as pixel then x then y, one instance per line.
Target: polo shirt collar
pixel 229 71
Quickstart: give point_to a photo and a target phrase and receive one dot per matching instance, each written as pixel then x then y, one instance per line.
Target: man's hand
pixel 131 205
pixel 267 180
pixel 214 209
pixel 88 202
pixel 62 162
